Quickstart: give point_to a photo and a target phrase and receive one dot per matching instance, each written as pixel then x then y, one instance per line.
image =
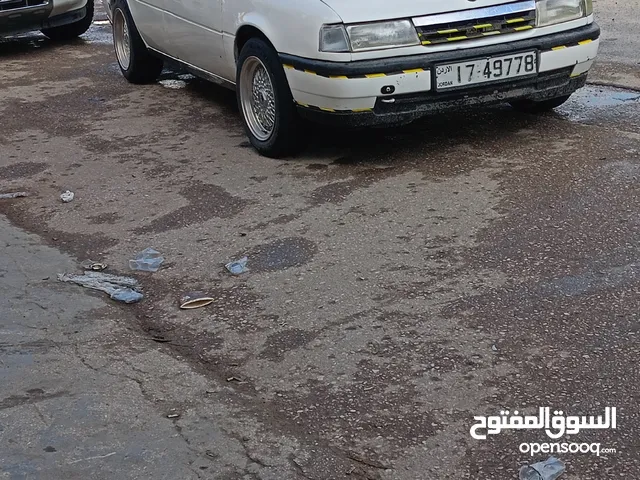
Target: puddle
pixel 100 33
pixel 592 96
pixel 592 101
pixel 173 84
pixel 23 42
pixel 590 282
pixel 175 78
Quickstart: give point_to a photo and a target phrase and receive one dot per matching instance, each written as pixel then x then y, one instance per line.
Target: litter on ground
pixel 122 289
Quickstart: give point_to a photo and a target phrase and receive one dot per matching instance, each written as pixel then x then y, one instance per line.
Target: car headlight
pixel 551 12
pixel 368 36
pixel 371 36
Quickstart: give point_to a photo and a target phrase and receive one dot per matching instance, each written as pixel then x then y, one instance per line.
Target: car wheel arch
pixel 244 34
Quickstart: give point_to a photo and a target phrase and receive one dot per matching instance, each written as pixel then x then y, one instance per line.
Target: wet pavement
pixel 401 281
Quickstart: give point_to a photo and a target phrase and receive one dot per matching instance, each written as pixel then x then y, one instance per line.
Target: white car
pixel 361 62
pixel 57 19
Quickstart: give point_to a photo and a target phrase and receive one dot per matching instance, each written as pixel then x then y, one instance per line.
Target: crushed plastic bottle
pixel 173 84
pixel 148 260
pixel 126 295
pixel 238 267
pixel 550 469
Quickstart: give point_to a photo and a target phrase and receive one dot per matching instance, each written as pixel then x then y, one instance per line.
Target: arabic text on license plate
pixel 486 70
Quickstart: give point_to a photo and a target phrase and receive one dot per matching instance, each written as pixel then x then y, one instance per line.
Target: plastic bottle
pixel 550 469
pixel 149 260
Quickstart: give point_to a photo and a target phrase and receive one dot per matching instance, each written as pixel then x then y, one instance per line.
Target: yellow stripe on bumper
pixel 359 76
pixel 446 32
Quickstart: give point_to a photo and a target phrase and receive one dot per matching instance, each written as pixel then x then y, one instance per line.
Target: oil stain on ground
pixel 281 254
pixel 205 202
pixel 279 343
pixel 109 218
pixel 22 170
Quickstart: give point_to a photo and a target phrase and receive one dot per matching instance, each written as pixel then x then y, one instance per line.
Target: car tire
pixel 71 30
pixel 532 106
pixel 265 102
pixel 136 63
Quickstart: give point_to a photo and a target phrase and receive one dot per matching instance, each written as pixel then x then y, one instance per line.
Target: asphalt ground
pixel 401 281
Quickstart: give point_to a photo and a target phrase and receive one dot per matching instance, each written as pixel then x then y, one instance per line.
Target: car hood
pixel 352 11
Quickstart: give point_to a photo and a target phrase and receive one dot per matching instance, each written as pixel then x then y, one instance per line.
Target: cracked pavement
pixel 401 281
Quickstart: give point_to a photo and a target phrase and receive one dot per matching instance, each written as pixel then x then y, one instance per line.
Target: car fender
pixel 292 26
pixel 64 6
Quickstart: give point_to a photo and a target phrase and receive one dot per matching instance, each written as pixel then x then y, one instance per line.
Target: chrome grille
pixel 476 23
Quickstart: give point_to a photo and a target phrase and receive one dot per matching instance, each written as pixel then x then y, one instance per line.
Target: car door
pixel 148 16
pixel 195 31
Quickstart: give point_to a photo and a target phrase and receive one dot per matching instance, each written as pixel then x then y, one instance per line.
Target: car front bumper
pixel 351 92
pixel 36 17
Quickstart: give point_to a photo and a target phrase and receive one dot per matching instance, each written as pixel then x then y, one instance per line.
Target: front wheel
pixel 72 30
pixel 265 101
pixel 532 106
pixel 135 61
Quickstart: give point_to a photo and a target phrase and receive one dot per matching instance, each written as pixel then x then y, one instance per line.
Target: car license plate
pixel 486 70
